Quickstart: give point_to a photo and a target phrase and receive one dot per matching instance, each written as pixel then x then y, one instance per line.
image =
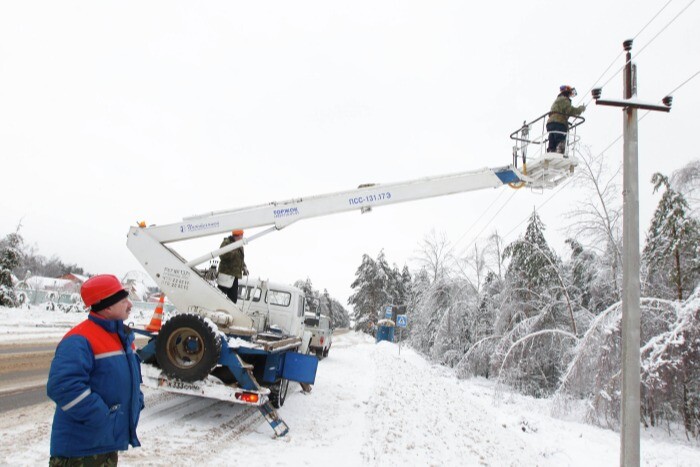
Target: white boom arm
pixel 188 291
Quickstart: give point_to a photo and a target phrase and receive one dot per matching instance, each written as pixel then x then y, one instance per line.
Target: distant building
pixel 77 278
pixel 53 284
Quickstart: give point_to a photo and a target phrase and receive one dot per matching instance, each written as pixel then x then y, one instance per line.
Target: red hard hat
pixel 237 232
pixel 99 287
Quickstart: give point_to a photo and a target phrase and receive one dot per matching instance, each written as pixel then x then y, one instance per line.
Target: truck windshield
pixel 279 298
pixel 249 293
pixel 312 322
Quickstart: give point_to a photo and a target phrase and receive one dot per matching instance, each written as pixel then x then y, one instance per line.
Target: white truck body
pixel 321 333
pixel 273 306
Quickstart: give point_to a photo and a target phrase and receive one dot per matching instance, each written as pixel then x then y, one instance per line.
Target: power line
pixel 653 18
pixel 683 83
pixel 664 28
pixel 476 237
pixel 645 45
pixel 537 208
pixel 479 218
pixel 622 52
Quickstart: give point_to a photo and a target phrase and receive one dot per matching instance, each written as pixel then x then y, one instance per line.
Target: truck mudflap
pixel 300 368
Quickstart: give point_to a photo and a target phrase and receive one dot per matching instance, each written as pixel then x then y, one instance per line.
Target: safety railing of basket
pixel 524 137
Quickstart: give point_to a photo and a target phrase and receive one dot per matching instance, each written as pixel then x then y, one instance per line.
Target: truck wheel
pixel 187 348
pixel 278 393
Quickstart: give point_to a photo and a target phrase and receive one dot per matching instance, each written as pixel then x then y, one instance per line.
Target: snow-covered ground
pixel 370 406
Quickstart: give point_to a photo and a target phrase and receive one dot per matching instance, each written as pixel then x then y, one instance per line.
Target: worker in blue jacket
pixel 95 381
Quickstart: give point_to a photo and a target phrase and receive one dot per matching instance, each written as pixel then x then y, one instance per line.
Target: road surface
pixel 24 368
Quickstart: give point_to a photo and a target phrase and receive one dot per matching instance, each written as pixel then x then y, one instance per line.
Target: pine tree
pixel 404 288
pixel 369 294
pixel 583 268
pixel 327 304
pixel 672 250
pixel 309 293
pixel 535 319
pixel 386 278
pixel 531 266
pixel 10 257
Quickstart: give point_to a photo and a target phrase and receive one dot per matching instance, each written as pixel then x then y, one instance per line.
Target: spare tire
pixel 187 348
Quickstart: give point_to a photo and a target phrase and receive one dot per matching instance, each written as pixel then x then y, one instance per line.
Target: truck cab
pixel 273 305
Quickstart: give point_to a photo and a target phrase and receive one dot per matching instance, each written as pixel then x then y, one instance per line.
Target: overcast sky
pixel 116 112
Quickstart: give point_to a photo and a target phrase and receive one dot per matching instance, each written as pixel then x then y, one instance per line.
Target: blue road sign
pixel 387 313
pixel 401 321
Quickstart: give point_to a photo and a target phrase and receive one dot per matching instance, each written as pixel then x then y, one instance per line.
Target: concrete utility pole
pixel 631 287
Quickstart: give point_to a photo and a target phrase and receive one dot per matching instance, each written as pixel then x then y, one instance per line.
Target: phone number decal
pixel 370 198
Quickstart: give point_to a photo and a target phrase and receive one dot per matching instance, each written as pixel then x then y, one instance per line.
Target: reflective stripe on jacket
pixel 95 381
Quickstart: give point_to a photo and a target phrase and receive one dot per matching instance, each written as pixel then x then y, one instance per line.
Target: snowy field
pixel 370 406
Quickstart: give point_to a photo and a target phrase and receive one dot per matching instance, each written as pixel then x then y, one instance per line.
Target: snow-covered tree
pixel 536 320
pixel 377 284
pixel 369 294
pixel 435 255
pixel 494 252
pixel 531 262
pixel 326 304
pixel 473 267
pixel 583 268
pixel 40 265
pixel 310 294
pixel 453 333
pixel 672 250
pixel 339 315
pixel 671 371
pixel 596 219
pixel 425 313
pixel 670 351
pixel 687 181
pixel 10 256
pixel 403 291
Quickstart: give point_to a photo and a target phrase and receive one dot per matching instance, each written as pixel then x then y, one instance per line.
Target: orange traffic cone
pixel 157 318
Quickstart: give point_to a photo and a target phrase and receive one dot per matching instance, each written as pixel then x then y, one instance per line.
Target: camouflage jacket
pixel 233 262
pixel 562 109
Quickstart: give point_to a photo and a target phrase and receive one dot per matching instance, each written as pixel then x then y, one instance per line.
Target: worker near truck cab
pixel 558 121
pixel 95 380
pixel 231 267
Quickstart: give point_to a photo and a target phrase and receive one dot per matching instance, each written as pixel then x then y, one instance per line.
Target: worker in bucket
pixel 231 267
pixel 95 379
pixel 558 121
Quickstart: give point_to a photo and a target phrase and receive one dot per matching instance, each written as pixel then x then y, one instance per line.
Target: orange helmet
pixel 566 89
pixel 102 291
pixel 237 232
